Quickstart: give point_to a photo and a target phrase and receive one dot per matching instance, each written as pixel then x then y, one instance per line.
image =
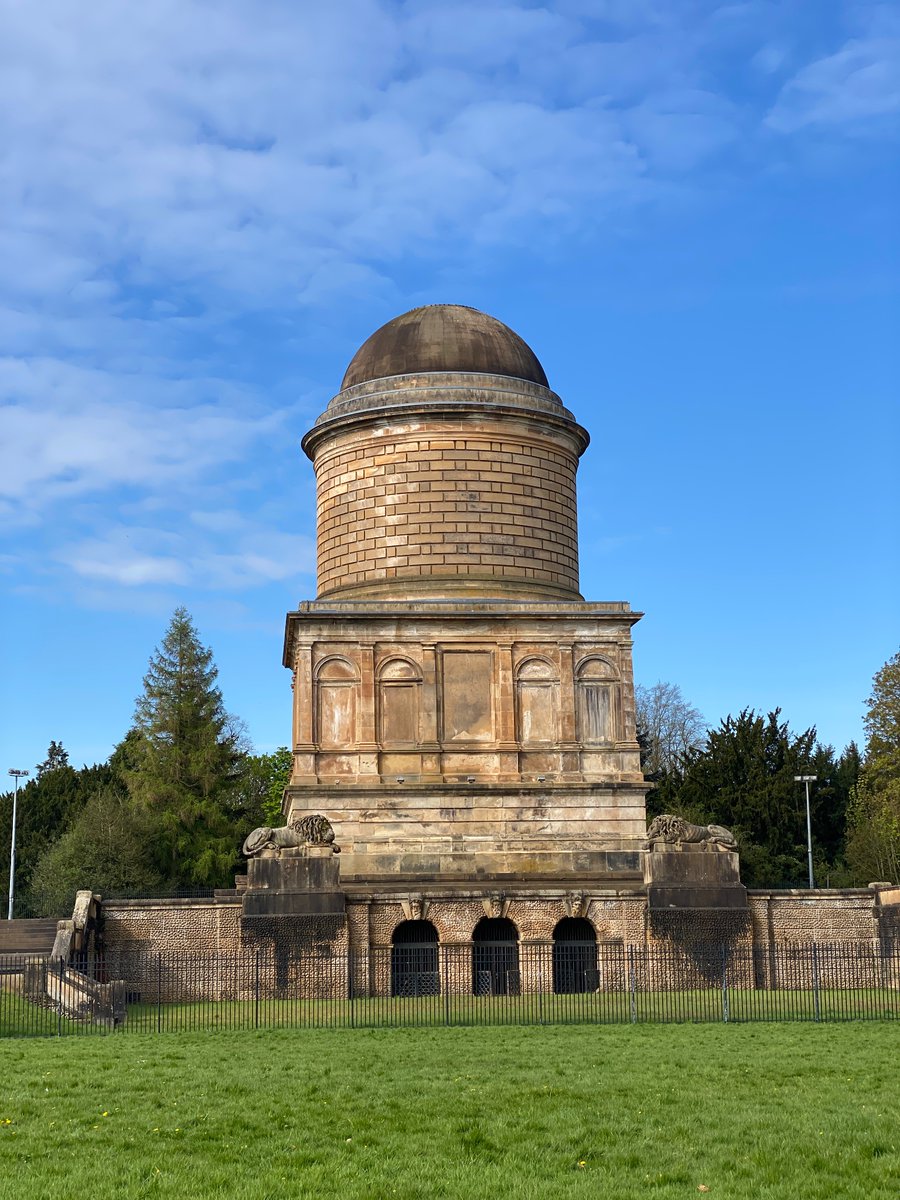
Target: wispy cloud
pixel 209 557
pixel 851 88
pixel 70 430
pixel 170 168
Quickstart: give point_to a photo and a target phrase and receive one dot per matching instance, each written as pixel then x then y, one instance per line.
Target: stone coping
pixel 477 608
pixel 811 893
pixel 382 786
pixel 413 387
pixel 441 408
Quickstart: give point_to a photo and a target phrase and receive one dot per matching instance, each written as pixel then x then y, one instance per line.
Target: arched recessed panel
pixel 534 669
pixel 337 670
pixel 398 670
pixel 575 956
pixel 414 960
pixel 596 701
pixel 537 703
pixel 337 687
pixel 399 685
pixel 495 958
pixel 595 668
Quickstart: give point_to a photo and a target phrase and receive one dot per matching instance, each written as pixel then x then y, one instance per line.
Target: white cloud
pixel 228 555
pixel 858 84
pixel 69 431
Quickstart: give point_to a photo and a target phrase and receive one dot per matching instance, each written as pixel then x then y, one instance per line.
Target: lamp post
pixel 808 779
pixel 12 845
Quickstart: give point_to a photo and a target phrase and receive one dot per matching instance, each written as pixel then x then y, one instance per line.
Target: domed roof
pixel 444 337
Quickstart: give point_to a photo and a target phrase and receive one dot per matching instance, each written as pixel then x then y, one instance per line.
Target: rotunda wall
pixel 479 502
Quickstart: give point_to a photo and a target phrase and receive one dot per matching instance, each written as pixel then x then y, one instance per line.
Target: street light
pixel 12 846
pixel 808 779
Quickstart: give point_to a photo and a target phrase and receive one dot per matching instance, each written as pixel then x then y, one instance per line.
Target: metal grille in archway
pixel 414 960
pixel 575 956
pixel 495 958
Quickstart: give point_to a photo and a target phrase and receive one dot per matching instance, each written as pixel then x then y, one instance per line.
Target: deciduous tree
pixel 669 727
pixel 873 841
pixel 106 848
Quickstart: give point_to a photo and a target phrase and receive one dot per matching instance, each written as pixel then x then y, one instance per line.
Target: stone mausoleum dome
pixel 444 337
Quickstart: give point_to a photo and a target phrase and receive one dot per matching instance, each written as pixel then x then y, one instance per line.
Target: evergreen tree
pixel 57 756
pixel 744 779
pixel 184 760
pixel 47 805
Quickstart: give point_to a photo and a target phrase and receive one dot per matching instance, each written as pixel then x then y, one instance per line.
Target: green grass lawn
pixel 805 1111
pixel 601 1007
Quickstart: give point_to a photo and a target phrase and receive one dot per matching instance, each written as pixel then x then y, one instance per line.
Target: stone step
pixel 34 936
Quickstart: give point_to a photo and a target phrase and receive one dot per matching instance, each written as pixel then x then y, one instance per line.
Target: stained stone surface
pixel 460 712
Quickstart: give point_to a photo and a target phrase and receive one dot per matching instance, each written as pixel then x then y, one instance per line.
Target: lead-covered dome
pixel 444 337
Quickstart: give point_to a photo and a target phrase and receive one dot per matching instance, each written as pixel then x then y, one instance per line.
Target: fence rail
pixel 481 984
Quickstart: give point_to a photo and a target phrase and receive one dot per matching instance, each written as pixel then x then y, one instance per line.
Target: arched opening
pixel 597 690
pixel 575 956
pixel 495 958
pixel 414 960
pixel 537 703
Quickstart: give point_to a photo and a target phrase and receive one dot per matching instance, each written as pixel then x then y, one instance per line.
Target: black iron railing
pixel 430 984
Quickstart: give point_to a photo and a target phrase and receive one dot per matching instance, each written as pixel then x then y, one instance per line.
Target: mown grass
pixel 21 1018
pixel 599 1008
pixel 746 1111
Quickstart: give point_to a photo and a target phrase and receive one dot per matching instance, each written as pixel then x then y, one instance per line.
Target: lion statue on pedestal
pixel 669 830
pixel 314 830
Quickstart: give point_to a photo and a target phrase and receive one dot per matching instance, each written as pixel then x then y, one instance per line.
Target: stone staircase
pixel 33 937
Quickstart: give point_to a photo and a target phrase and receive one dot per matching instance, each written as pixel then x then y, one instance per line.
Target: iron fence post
pixel 631 984
pixel 445 982
pixel 540 951
pixel 159 992
pixel 351 977
pixel 256 993
pixel 815 967
pixel 59 1000
pixel 725 983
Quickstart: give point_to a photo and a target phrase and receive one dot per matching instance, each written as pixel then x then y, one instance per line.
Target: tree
pixel 57 756
pixel 106 849
pixel 668 728
pixel 258 795
pixel 873 840
pixel 185 758
pixel 47 805
pixel 744 779
pixel 882 722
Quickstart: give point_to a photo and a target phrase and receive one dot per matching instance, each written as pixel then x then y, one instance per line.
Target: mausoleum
pixel 466 773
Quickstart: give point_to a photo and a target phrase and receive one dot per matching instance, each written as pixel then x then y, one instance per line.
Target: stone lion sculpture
pixel 314 830
pixel 671 830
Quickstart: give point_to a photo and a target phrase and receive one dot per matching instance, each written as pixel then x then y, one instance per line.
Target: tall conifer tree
pixel 185 759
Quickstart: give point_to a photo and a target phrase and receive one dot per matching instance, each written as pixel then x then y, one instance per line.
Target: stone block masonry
pixel 455 497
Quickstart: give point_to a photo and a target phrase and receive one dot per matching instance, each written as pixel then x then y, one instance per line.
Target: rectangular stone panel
pixel 467 702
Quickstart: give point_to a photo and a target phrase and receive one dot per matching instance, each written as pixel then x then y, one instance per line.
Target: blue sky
pixel 688 209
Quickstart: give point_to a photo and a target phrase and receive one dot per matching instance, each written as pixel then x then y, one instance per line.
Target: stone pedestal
pixel 693 876
pixel 303 881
